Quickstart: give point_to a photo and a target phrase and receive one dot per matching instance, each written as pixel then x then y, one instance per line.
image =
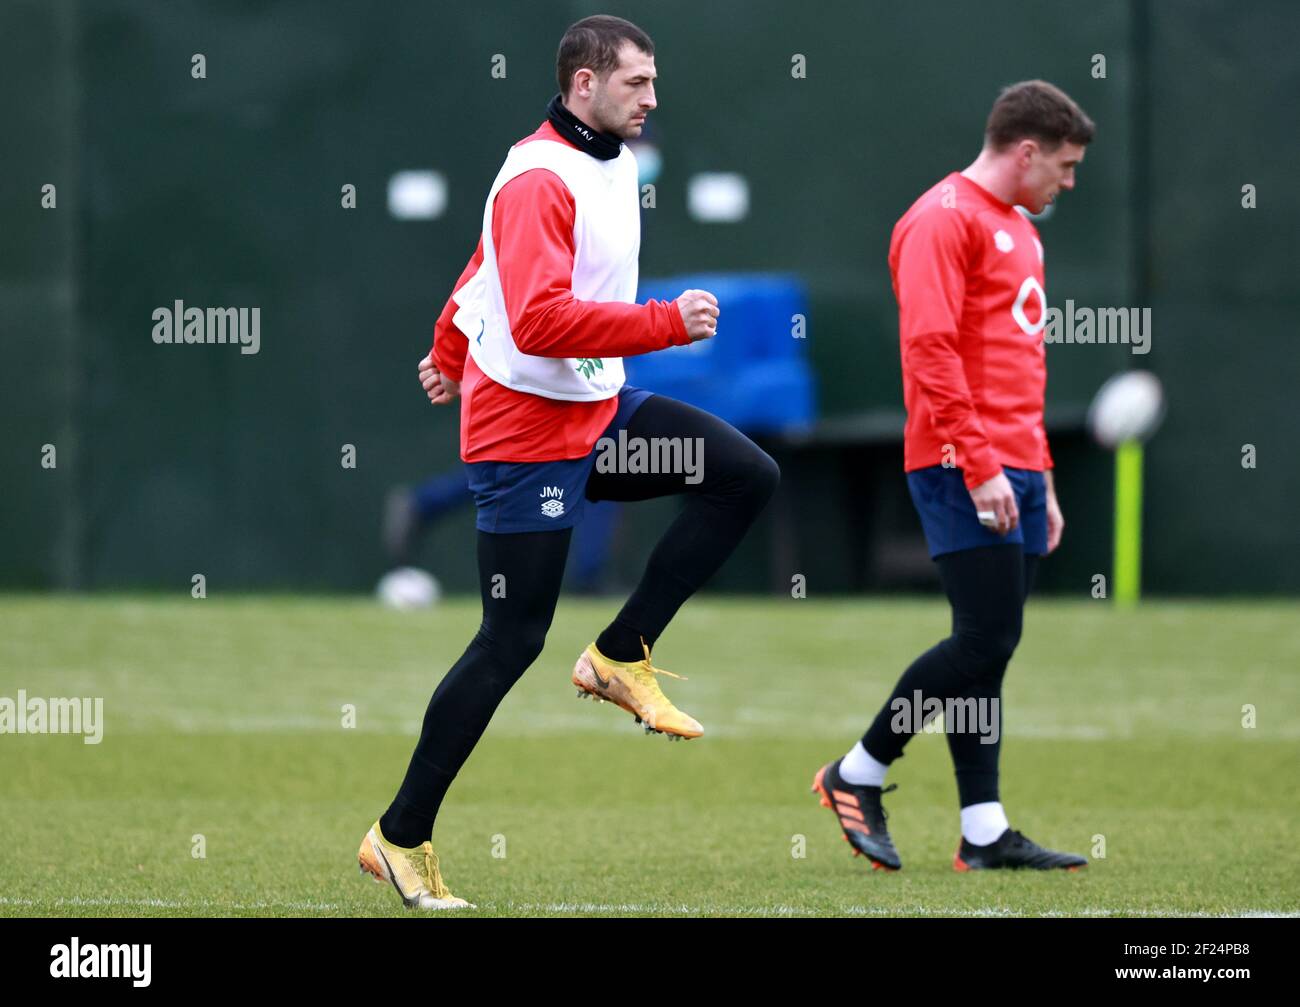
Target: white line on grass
pixel 626 908
pixel 747 725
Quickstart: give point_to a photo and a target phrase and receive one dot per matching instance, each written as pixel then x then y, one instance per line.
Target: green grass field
pixel 223 718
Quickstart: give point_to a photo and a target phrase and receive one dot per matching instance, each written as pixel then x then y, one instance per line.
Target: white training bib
pixel 607 242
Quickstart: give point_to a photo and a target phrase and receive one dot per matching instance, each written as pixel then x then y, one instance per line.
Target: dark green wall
pixel 1224 285
pixel 225 191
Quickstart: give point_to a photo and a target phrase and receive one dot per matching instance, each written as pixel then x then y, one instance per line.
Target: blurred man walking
pixel 967 270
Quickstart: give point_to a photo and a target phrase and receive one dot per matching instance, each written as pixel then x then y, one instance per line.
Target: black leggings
pixel 987 588
pixel 737 480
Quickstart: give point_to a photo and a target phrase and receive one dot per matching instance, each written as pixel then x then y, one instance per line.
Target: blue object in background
pixel 754 373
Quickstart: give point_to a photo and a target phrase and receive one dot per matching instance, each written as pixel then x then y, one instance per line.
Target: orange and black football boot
pixel 1012 850
pixel 861 816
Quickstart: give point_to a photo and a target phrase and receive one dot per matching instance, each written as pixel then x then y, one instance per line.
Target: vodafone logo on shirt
pixel 1030 286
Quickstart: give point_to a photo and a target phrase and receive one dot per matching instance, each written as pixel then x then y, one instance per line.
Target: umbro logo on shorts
pixel 552 504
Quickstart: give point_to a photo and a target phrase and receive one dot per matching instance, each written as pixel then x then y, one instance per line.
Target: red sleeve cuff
pixel 679 336
pixel 978 475
pixel 445 365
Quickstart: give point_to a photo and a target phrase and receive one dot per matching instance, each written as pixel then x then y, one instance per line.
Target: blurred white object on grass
pixel 408 587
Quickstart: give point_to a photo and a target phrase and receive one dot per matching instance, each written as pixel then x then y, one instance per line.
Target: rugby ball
pixel 407 588
pixel 1128 407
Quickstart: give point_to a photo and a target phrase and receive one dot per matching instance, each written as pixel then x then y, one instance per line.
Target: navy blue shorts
pixel 541 496
pixel 948 514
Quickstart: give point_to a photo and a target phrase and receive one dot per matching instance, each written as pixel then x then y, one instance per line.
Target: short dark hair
pixel 594 43
pixel 1037 110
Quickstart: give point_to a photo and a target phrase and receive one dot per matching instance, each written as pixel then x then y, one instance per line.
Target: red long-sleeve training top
pixel 967 270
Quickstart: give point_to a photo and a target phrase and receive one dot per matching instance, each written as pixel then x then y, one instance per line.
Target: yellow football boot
pixel 632 686
pixel 413 872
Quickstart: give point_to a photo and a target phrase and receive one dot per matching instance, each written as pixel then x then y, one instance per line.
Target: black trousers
pixel 986 588
pixel 737 479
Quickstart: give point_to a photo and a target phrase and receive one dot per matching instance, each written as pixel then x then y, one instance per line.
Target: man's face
pixel 1045 173
pixel 620 103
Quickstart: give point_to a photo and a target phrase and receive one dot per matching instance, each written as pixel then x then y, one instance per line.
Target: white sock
pixel 860 768
pixel 981 824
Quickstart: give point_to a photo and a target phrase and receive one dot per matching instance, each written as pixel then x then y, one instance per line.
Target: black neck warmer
pixel 602 145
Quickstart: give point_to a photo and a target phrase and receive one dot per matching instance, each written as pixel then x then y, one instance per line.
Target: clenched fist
pixel 699 311
pixel 440 388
